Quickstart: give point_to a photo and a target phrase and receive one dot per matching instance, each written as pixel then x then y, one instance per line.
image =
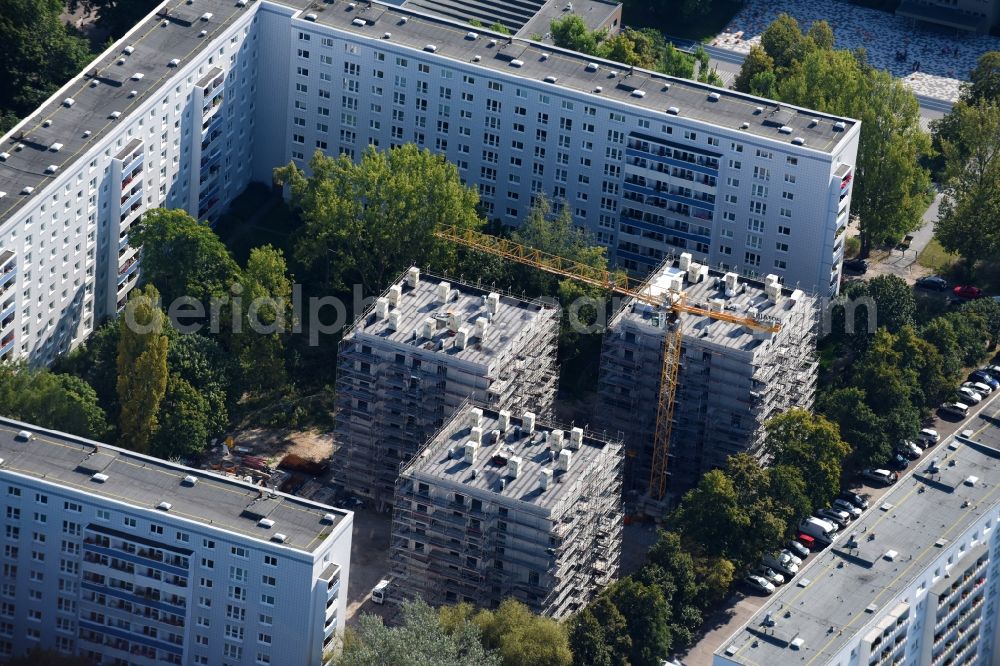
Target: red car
pixel 967 291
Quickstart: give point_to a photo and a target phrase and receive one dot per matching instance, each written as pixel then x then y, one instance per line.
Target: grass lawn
pixel 937 258
pixel 646 14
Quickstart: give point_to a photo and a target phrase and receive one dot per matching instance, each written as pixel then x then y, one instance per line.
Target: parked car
pixel 979 387
pixel 844 505
pixel 769 574
pixel 954 409
pixel 984 377
pixel 932 282
pixel 839 517
pixel 859 266
pixel 857 500
pixel 967 291
pixel 759 584
pixel 909 449
pixel 898 462
pixel 883 476
pixel 798 548
pixel 968 396
pixel 993 371
pixel 795 558
pixel 808 541
pixel 380 591
pixel 781 563
pixel 928 437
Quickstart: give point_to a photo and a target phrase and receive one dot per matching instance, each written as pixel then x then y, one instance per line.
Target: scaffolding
pixel 395 390
pixel 460 535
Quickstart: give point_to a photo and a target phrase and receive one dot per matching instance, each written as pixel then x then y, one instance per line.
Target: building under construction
pixel 497 506
pixel 420 351
pixel 730 379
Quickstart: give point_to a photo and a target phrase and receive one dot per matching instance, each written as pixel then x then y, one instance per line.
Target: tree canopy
pixel 38 54
pixel 890 185
pixel 969 221
pixel 183 257
pixel 368 221
pixel 50 400
pixel 420 640
pixel 142 369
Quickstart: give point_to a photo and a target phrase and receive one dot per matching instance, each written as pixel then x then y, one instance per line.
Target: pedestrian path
pixel 931 64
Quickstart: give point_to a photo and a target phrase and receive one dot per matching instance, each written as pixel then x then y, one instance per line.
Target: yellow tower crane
pixel 668 299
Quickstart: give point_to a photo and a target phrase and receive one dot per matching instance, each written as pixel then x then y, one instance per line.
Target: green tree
pixel 259 348
pixel 38 54
pixel 607 644
pixel 183 421
pixel 984 80
pixel 860 425
pixel 784 42
pixel 940 333
pixel 969 218
pixel 96 362
pixel 522 638
pixel 373 219
pixel 571 32
pixel 711 515
pixel 895 305
pixel 756 62
pixel 142 368
pixel 49 400
pixel 812 445
pixel 890 186
pixel 788 489
pixel 989 310
pixel 419 641
pixel 645 612
pixel 821 35
pixel 183 257
pixel 202 363
pixel 972 334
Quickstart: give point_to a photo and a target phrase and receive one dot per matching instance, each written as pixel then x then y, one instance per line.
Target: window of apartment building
pixel 784 231
pixel 780 264
pixel 789 178
pixel 764 154
pixel 156 529
pixel 786 212
pixel 792 160
pixel 751 259
pixel 735 164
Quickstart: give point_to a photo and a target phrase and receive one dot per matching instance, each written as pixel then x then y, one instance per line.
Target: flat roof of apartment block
pixel 147 483
pixel 510 327
pixel 491 470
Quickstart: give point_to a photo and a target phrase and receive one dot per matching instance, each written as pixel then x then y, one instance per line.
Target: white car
pixel 969 396
pixel 792 556
pixel 980 388
pixel 836 515
pixel 781 563
pixel 760 584
pixel 844 505
pixel 928 437
pixel 769 574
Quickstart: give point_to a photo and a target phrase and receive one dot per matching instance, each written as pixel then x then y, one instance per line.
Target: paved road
pixel 740 608
pixel 728 63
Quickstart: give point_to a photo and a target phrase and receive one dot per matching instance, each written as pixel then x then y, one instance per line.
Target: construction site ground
pixel 369 565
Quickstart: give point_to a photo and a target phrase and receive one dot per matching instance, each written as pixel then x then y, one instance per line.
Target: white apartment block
pixel 201 98
pixel 915 581
pixel 127 559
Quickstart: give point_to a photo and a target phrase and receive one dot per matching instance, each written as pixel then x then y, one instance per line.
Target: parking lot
pixel 369 564
pixel 743 604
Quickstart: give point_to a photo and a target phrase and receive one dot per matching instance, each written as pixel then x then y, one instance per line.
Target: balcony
pixel 134 162
pixel 8 275
pixel 133 198
pixel 7 344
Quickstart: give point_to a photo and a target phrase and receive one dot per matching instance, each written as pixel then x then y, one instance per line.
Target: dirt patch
pixel 276 444
pixel 369 565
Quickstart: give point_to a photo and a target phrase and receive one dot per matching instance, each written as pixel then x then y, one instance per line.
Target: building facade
pixel 914 581
pixel 417 354
pixel 498 507
pixel 199 99
pixel 127 559
pixel 731 380
pixel 958 15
